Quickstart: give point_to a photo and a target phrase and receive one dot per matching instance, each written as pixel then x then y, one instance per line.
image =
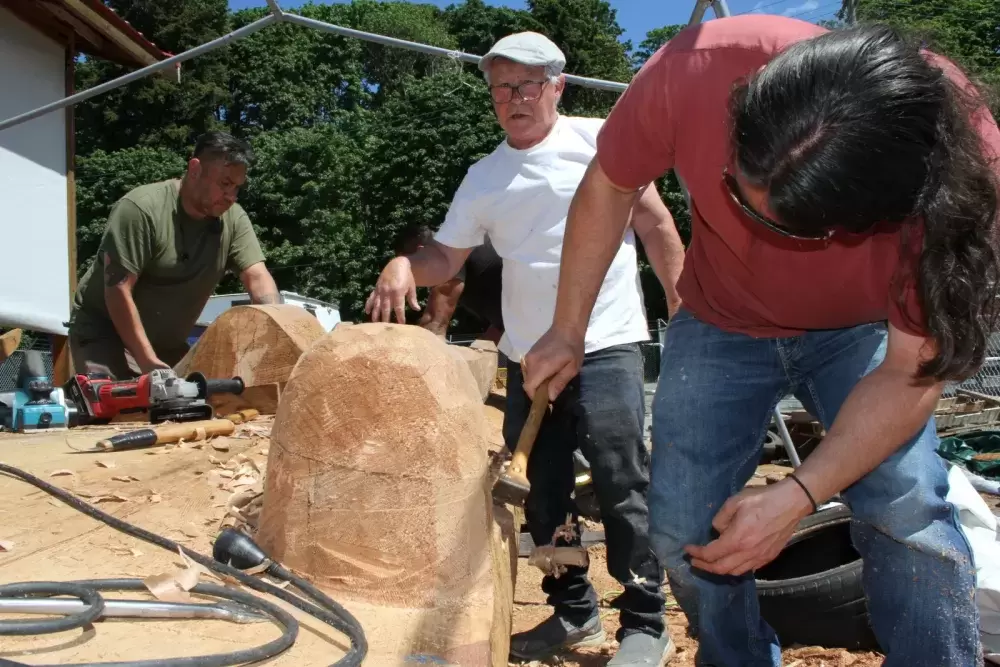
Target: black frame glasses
pixel 734 191
pixel 520 91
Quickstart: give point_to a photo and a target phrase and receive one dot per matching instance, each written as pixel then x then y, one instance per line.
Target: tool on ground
pixel 35 404
pixel 512 486
pixel 311 601
pixel 164 434
pixel 245 415
pixel 100 398
pixel 221 611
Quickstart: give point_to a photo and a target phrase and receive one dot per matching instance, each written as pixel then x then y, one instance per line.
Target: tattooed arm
pixel 260 285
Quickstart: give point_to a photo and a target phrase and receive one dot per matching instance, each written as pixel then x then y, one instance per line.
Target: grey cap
pixel 527 48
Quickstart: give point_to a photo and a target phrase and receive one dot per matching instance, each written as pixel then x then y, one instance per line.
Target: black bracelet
pixel 808 495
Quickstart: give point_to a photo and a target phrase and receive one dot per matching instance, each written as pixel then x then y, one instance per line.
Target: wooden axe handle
pixel 526 441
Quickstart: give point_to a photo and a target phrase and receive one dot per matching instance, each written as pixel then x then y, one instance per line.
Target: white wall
pixel 34 246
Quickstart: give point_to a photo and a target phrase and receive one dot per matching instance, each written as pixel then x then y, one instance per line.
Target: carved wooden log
pixel 260 344
pixel 481 358
pixel 378 491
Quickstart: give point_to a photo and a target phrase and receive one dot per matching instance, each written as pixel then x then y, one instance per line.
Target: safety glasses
pixel 734 191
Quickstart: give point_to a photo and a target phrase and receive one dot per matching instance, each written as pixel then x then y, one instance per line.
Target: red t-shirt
pixel 739 275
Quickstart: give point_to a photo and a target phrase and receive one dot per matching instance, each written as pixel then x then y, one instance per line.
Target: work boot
pixel 553 635
pixel 641 649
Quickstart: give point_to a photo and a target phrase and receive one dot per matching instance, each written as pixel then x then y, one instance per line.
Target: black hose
pixel 289 626
pixel 324 609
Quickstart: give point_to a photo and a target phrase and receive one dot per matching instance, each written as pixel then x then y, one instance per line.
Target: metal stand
pixel 786 438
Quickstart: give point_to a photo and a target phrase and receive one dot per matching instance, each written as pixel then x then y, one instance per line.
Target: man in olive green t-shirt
pixel 166 247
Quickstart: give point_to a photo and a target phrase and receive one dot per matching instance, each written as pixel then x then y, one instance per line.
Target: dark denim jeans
pixel 713 404
pixel 600 412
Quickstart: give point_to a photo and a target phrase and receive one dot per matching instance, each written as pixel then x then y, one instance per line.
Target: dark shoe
pixel 645 650
pixel 553 635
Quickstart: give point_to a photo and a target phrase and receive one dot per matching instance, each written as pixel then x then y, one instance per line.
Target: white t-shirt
pixel 521 199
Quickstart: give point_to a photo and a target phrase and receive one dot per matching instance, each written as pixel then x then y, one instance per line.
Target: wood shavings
pixel 214 460
pixel 125 478
pixel 104 463
pixel 6 545
pixel 127 551
pixel 220 445
pixel 110 498
pixel 191 531
pixel 61 473
pixel 173 586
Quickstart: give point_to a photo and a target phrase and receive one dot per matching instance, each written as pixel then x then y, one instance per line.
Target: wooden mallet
pixel 512 486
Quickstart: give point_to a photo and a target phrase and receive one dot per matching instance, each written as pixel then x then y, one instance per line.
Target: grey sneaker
pixel 642 649
pixel 553 635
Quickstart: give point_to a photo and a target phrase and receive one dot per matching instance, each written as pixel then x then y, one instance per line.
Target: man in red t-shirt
pixel 843 192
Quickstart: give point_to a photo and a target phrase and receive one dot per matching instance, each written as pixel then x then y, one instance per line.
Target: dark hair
pixel 855 127
pixel 223 146
pixel 415 235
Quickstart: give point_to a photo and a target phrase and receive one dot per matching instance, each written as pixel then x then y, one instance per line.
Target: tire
pixel 811 593
pixel 772 447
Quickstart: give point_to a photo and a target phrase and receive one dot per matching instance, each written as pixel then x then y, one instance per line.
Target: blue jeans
pixel 601 413
pixel 713 405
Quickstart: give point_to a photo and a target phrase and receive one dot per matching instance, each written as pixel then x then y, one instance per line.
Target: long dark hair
pixel 855 127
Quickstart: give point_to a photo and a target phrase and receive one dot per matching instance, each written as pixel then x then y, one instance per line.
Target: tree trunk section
pixel 378 491
pixel 260 344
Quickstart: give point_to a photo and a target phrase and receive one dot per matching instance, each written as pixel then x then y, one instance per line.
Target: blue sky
pixel 637 17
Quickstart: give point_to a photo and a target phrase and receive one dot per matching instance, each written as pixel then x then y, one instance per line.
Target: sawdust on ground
pixel 184 493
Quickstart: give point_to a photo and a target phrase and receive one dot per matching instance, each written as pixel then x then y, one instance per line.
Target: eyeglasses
pixel 526 90
pixel 734 191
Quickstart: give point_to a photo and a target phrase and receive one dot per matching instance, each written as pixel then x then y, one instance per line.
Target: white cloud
pixel 806 6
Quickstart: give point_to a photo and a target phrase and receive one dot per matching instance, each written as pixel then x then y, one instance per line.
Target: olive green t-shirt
pixel 179 262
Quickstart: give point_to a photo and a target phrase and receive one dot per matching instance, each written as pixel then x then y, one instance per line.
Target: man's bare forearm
pixel 125 317
pixel 260 285
pixel 595 227
pixel 664 250
pixel 431 266
pixel 884 410
pixel 441 305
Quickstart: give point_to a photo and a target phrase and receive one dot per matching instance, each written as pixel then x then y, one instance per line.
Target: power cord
pixel 232 550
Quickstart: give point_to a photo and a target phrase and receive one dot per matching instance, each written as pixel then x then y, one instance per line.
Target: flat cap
pixel 527 48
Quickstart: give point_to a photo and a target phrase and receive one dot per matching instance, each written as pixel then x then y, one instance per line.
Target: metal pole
pixel 140 73
pixel 599 84
pixel 786 438
pixel 721 8
pixel 699 11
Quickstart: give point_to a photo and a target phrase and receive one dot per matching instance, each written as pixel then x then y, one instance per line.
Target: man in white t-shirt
pixel 520 195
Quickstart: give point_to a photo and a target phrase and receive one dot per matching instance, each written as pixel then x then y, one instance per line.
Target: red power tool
pixel 99 398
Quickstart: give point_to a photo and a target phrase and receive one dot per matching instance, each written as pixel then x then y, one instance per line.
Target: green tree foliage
pixel 477 26
pixel 286 76
pixel 157 111
pixel 304 198
pixel 101 180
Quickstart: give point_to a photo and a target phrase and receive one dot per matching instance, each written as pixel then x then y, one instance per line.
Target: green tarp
pixel 961 449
